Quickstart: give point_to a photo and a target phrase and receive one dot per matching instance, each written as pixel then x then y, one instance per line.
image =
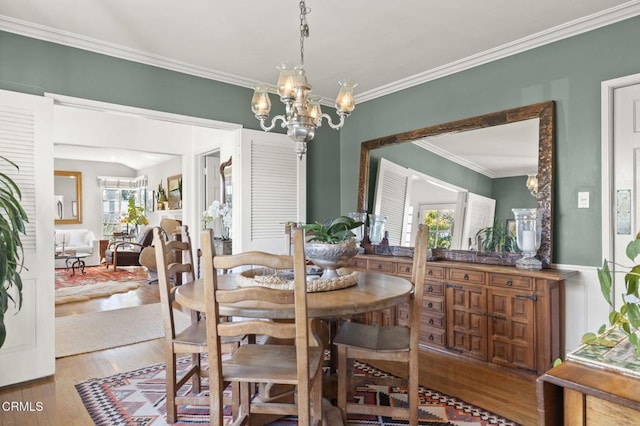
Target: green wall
pixel 568 71
pixel 33 66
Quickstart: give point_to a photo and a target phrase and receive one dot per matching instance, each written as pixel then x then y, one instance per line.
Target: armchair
pixel 125 253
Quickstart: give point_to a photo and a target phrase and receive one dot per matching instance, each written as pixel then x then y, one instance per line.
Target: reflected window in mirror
pixel 464 154
pixel 67 197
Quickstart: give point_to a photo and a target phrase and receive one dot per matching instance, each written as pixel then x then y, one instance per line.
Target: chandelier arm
pixel 274 120
pixel 330 122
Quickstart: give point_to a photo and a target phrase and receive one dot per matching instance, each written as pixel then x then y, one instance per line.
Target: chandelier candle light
pixel 529 230
pixel 302 109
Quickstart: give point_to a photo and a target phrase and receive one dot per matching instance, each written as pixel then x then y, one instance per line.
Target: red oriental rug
pixel 138 398
pixel 97 274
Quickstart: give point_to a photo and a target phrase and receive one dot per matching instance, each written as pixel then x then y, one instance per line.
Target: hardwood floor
pixel 54 400
pixel 512 397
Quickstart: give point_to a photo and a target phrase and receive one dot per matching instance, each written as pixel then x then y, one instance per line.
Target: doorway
pixel 620 173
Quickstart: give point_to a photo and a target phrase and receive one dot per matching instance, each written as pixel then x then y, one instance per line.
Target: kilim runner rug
pixel 138 397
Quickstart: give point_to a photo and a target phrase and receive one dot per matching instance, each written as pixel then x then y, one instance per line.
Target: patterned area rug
pixel 138 397
pixel 96 274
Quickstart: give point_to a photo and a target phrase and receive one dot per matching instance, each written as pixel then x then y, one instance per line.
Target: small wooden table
pixel 577 394
pixel 374 291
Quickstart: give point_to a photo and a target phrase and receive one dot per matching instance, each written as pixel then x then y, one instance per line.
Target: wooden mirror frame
pixel 223 167
pixel 544 111
pixel 78 179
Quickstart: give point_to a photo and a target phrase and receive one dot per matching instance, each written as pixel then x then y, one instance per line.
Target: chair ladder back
pixel 418 276
pixel 172 259
pixel 210 283
pixel 255 258
pixel 301 323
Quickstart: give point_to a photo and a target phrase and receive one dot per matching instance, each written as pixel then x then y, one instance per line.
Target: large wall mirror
pixel 68 197
pixel 481 167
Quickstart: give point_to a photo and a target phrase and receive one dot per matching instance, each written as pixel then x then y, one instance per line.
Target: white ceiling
pixel 385 46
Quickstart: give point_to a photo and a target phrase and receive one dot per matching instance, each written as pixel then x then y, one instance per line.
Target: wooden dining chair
pixel 298 365
pixel 175 258
pixel 386 343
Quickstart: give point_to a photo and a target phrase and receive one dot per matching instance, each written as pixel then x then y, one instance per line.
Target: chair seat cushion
pixel 373 337
pixel 268 363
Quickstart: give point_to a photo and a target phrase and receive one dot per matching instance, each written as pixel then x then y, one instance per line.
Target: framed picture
pixel 174 189
pixel 511 227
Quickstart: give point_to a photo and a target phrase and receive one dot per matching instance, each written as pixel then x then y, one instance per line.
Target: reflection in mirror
pixel 68 197
pixel 225 177
pixel 461 177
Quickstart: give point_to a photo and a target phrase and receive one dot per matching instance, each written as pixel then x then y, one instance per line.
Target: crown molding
pixel 578 26
pixel 570 29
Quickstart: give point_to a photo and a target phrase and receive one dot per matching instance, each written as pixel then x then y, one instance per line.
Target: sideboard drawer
pixel 433 304
pixel 511 281
pixel 433 320
pixel 382 266
pixel 404 269
pixel 357 263
pixel 434 272
pixel 433 288
pixel 466 276
pixel 432 336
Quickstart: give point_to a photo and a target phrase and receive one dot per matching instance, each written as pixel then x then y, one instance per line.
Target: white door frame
pixel 607 89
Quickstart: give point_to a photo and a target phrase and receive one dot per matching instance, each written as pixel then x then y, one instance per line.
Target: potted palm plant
pixel 12 220
pixel 332 244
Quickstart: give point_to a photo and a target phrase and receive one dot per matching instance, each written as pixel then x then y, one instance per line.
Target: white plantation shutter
pixel 392 188
pixel 17 139
pixel 272 190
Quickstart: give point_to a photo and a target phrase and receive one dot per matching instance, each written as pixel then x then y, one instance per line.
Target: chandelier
pixel 302 109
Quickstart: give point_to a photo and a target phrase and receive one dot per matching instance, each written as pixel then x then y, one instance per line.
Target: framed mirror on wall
pixel 425 147
pixel 225 179
pixel 68 197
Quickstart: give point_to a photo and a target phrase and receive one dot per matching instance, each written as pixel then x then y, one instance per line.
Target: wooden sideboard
pixel 576 394
pixel 488 320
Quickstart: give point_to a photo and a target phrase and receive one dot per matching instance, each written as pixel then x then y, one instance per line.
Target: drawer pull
pixel 431 321
pixel 509 283
pixel 527 296
pixel 466 277
pixel 407 269
pixel 431 338
pixel 430 272
pixel 430 304
pixel 430 289
pixel 379 267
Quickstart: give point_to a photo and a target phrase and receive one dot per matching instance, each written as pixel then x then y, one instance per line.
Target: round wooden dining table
pixel 374 291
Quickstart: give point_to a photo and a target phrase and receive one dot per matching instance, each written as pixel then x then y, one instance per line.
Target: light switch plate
pixel 583 200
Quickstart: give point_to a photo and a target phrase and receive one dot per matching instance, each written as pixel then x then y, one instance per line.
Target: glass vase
pixel 528 231
pixel 359 231
pixel 376 228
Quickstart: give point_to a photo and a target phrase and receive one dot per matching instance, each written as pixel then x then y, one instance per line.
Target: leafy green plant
pixel 135 214
pixel 333 231
pixel 496 238
pixel 12 220
pixel 628 317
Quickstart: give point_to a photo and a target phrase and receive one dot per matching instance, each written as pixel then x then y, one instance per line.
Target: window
pixel 439 218
pixel 114 206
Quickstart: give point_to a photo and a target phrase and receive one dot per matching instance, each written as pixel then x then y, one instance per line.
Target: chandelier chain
pixel 304 28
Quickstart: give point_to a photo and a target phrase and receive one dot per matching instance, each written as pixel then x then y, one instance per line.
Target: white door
pixel 26 139
pixel 480 213
pixel 626 175
pixel 272 185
